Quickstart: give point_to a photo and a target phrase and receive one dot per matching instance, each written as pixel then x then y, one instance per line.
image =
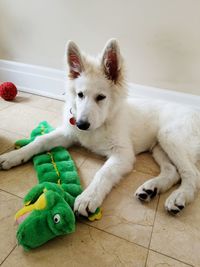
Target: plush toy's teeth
pixel 22 218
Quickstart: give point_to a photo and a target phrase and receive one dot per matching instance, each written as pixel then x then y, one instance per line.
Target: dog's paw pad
pixel 144 194
pixel 180 207
pixel 151 193
pixel 174 211
pixel 175 202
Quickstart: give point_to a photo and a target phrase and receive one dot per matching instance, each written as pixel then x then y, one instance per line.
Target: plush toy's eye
pixel 56 218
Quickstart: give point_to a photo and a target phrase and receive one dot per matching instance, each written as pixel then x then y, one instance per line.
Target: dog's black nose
pixel 83 125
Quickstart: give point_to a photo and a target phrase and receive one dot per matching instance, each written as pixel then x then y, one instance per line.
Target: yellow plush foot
pixel 97 215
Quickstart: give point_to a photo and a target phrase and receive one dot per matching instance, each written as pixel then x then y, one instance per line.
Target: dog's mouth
pixel 80 127
pixel 81 124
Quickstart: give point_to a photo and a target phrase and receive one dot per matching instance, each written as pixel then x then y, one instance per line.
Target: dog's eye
pixel 80 95
pixel 100 97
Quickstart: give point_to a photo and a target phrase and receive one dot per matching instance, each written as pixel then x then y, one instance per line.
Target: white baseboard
pixel 34 79
pixel 164 94
pixel 51 83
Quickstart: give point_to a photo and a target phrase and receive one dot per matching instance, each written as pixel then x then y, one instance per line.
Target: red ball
pixel 8 91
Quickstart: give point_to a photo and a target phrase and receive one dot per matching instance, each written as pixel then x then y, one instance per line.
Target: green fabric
pixel 52 199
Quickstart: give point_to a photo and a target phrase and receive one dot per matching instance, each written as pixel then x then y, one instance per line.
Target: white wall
pixel 159 39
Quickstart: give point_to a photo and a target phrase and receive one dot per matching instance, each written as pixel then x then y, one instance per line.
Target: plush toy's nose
pixel 83 125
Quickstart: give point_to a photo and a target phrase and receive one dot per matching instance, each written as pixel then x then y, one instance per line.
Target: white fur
pixel 120 128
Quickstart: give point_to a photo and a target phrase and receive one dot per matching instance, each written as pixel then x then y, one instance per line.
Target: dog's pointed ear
pixel 111 60
pixel 74 60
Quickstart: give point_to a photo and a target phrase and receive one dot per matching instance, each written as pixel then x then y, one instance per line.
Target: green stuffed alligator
pixel 48 207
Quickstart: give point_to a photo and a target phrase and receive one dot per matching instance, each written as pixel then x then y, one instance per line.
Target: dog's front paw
pixel 147 191
pixel 9 160
pixel 87 202
pixel 175 202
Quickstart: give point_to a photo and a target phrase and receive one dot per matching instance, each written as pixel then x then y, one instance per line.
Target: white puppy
pixel 99 116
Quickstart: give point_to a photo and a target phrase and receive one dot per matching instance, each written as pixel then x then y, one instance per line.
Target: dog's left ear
pixel 111 60
pixel 74 60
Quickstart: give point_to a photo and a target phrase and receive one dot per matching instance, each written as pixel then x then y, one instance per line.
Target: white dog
pixel 99 116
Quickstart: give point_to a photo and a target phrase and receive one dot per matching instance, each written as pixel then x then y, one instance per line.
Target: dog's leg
pixel 165 180
pixel 190 175
pixel 39 145
pixel 112 171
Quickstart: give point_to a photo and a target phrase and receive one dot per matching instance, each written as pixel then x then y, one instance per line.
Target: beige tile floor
pixel 129 234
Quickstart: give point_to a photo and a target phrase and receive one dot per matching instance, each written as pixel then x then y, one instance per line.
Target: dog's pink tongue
pixel 22 218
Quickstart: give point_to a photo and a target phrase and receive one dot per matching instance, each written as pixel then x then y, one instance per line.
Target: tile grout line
pixel 149 173
pixel 29 105
pixel 4 108
pixel 116 237
pixel 35 107
pixel 85 223
pixel 5 130
pixel 31 97
pixel 149 249
pixel 152 231
pixel 47 105
pixel 82 162
pixel 138 224
pixel 186 263
pixel 10 193
pixel 8 255
pixel 152 173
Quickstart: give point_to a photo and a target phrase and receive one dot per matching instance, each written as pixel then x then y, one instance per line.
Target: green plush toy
pixel 48 207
